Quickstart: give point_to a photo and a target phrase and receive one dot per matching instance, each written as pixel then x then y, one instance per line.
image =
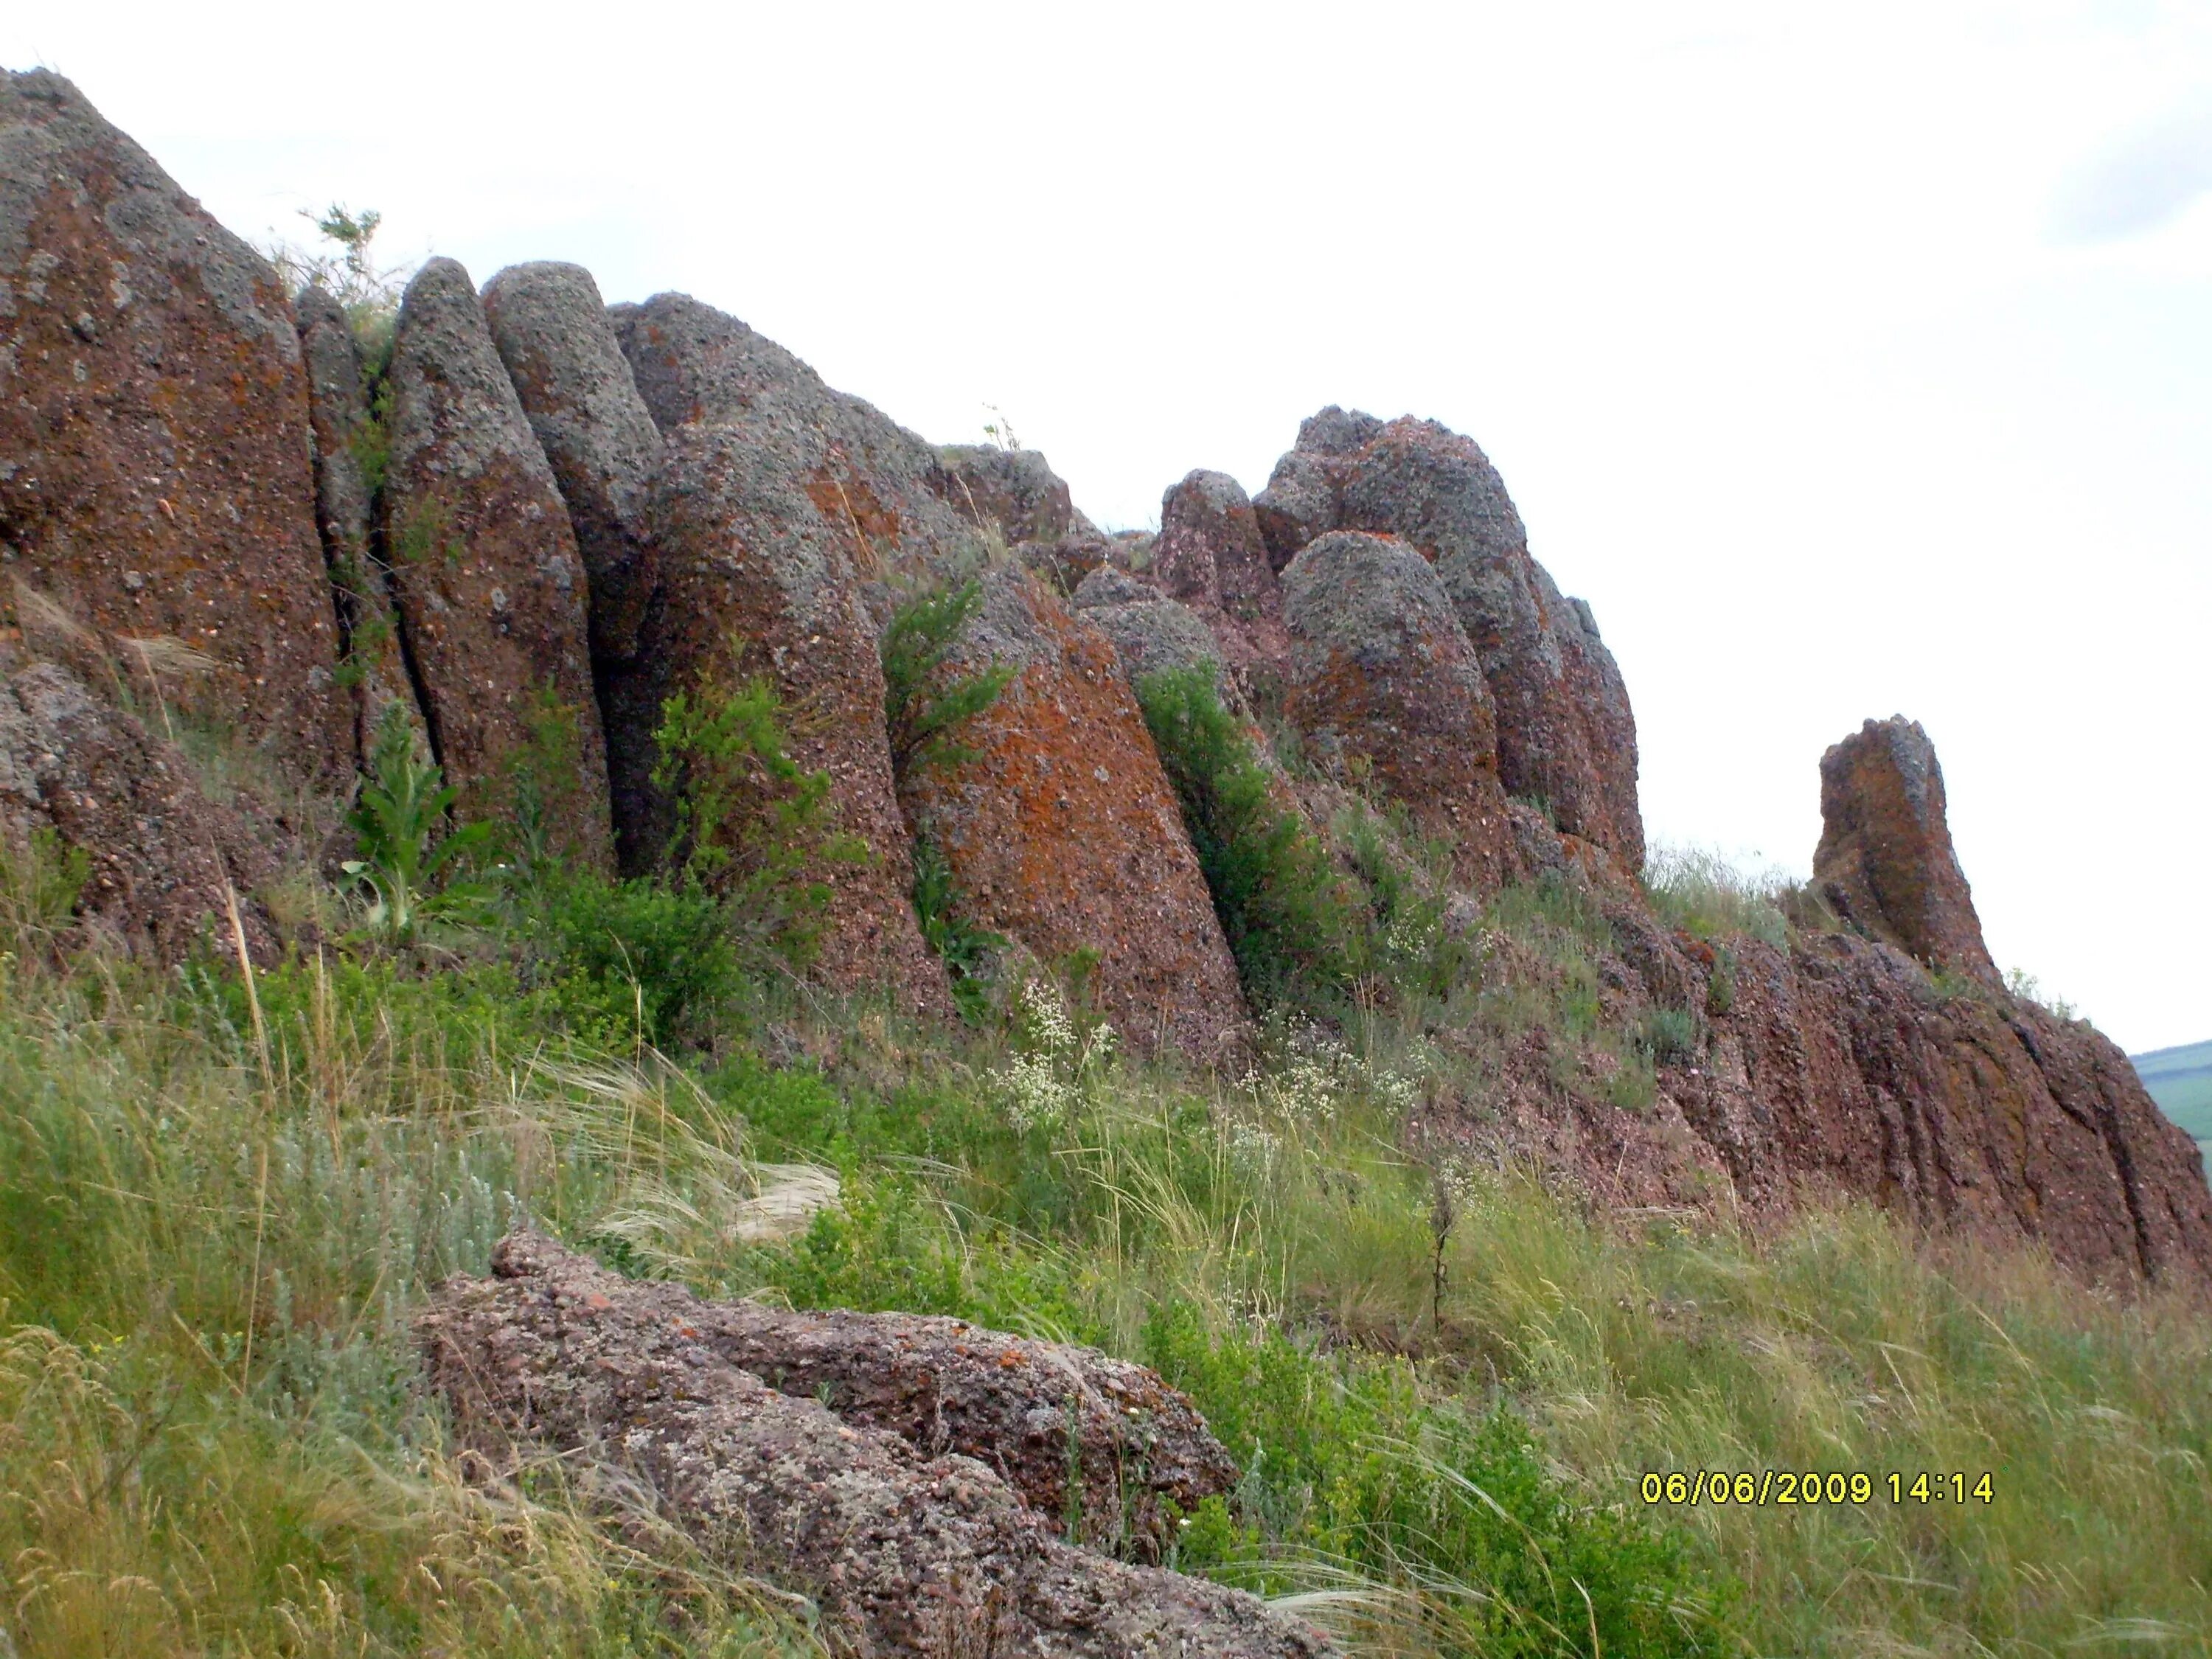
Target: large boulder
pixel 1885 861
pixel 1061 830
pixel 1384 685
pixel 1565 733
pixel 163 863
pixel 1013 489
pixel 878 485
pixel 575 386
pixel 905 1548
pixel 1152 634
pixel 338 405
pixel 755 579
pixel 489 578
pixel 155 471
pixel 1211 556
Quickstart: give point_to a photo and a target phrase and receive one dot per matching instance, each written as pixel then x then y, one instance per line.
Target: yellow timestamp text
pixel 1774 1488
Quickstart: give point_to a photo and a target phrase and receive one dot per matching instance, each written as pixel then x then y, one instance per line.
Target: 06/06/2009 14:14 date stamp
pixel 1773 1488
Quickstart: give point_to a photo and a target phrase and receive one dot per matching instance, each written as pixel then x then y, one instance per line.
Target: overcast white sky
pixel 1851 359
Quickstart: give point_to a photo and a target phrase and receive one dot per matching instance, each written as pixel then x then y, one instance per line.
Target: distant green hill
pixel 2181 1081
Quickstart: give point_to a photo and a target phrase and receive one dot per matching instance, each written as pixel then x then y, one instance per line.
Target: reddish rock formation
pixel 1885 861
pixel 155 478
pixel 904 1552
pixel 338 407
pixel 1384 684
pixel 1152 634
pixel 488 576
pixel 1013 489
pixel 879 484
pixel 1062 832
pixel 1565 733
pixel 1135 1445
pixel 1210 556
pixel 159 852
pixel 755 578
pixel 575 386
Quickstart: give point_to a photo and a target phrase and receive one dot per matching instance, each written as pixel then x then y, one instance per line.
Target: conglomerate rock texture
pixel 1210 556
pixel 905 1551
pixel 575 386
pixel 1885 861
pixel 337 406
pixel 1061 830
pixel 1014 489
pixel 163 862
pixel 754 579
pixel 1384 685
pixel 489 578
pixel 155 471
pixel 1566 735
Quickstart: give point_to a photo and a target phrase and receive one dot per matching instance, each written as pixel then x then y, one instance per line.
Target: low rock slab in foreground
pixel 905 1552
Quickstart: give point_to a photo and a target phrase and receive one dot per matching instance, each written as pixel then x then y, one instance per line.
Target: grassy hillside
pixel 2181 1081
pixel 221 1197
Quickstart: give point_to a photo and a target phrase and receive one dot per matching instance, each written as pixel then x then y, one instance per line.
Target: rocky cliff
pixel 587 511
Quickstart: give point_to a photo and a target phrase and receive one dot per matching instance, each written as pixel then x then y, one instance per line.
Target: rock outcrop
pixel 1032 1412
pixel 1152 634
pixel 1885 861
pixel 337 406
pixel 1211 556
pixel 1013 489
pixel 1384 686
pixel 755 580
pixel 163 863
pixel 904 1550
pixel 489 578
pixel 575 386
pixel 869 480
pixel 1566 735
pixel 155 471
pixel 1062 833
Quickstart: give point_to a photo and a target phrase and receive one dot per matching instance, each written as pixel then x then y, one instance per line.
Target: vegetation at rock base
pixel 221 1201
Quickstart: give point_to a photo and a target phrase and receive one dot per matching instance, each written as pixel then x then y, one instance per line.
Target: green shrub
pixel 1410 944
pixel 922 708
pixel 1282 907
pixel 752 826
pixel 1670 1035
pixel 406 866
pixel 967 950
pixel 658 956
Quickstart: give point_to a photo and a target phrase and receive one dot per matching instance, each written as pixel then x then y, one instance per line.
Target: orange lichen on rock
pixel 1063 834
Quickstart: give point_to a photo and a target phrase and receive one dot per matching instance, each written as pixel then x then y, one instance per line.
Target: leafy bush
pixel 658 956
pixel 406 864
pixel 1281 905
pixel 922 708
pixel 752 825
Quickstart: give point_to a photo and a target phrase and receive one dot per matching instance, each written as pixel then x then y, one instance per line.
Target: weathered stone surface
pixel 944 1385
pixel 1061 830
pixel 160 850
pixel 756 578
pixel 1565 733
pixel 154 476
pixel 1014 489
pixel 575 385
pixel 1152 634
pixel 1210 556
pixel 487 575
pixel 905 1552
pixel 1885 861
pixel 368 626
pixel 1384 681
pixel 881 487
